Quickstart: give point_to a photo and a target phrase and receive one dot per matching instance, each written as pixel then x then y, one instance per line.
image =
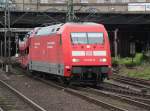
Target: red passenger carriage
pixel 73 51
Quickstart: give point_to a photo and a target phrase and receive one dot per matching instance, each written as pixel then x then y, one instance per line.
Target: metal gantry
pixel 7 34
pixel 70 17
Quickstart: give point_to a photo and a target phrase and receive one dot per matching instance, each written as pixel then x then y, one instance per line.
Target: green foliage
pixel 143 75
pixel 138 58
pixel 141 71
pixel 138 67
pixel 128 61
pixel 115 62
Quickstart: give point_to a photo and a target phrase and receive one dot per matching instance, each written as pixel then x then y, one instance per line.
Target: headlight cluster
pixel 75 60
pixel 103 60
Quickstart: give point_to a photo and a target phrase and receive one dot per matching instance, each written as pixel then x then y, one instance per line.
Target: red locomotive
pixel 72 51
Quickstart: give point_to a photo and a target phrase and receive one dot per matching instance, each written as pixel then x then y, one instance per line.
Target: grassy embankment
pixel 138 68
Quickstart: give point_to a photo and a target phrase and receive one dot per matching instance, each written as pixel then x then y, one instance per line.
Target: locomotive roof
pixel 82 23
pixel 49 29
pixel 54 28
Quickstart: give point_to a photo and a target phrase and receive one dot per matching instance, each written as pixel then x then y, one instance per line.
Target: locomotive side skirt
pixel 51 68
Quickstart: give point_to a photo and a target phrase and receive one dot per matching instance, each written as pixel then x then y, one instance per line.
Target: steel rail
pixel 1 109
pixel 131 83
pixel 137 80
pixel 83 96
pixel 23 97
pixel 120 89
pixel 121 98
pixel 121 86
pixel 91 99
pixel 87 98
pixel 144 100
pixel 127 90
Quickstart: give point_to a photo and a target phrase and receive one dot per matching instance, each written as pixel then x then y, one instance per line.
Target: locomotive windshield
pixel 87 38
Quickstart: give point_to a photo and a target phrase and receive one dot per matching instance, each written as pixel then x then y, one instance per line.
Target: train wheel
pixel 102 78
pixel 29 71
pixel 95 84
pixel 64 81
pixel 60 79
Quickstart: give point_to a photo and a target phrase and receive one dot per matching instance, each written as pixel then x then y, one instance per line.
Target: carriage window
pixel 79 38
pixel 87 38
pixel 95 38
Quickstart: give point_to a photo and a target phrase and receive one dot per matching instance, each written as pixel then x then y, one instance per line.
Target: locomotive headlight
pixel 103 60
pixel 75 60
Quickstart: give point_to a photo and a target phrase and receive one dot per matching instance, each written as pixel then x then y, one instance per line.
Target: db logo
pixel 88 53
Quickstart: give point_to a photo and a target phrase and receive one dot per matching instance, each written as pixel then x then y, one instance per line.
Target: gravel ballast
pixel 48 97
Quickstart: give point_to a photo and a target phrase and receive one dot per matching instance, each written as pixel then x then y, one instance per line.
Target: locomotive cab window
pixel 95 38
pixel 87 38
pixel 79 38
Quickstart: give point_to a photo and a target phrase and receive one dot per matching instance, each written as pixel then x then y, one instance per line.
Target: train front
pixel 87 53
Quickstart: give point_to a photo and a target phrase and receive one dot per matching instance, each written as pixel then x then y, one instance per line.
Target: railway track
pixel 140 99
pixel 124 90
pixel 144 85
pixel 85 93
pixel 118 88
pixel 102 104
pixel 137 80
pixel 83 96
pixel 1 109
pixel 13 100
pixel 97 97
pixel 137 101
